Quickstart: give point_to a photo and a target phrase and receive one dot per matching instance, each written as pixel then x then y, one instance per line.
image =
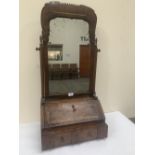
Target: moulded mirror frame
pixel 54 10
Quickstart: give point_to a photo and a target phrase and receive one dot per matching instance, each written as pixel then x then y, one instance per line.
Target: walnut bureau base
pixel 71 121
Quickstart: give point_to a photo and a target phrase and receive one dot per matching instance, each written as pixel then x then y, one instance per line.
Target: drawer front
pixel 56 137
pixel 62 139
pixel 80 135
pixel 54 140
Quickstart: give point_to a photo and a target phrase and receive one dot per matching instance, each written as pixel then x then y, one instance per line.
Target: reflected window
pixel 55 52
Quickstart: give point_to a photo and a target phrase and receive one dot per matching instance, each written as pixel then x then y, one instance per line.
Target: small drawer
pixel 80 135
pixel 51 140
pixel 62 139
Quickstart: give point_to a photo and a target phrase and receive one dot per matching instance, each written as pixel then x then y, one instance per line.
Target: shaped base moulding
pixel 73 134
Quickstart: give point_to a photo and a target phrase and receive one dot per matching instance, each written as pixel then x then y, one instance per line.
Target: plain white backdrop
pixel 145 77
pixel 9 79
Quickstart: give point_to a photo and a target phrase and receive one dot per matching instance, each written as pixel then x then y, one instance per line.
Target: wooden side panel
pixel 102 130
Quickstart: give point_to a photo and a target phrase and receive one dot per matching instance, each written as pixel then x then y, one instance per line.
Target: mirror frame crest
pixel 54 10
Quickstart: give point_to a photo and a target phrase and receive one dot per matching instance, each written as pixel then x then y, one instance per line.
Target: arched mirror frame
pixel 54 10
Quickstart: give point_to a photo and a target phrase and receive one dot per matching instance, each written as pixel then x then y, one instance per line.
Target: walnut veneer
pixel 69 120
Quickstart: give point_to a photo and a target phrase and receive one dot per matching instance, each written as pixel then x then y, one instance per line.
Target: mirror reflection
pixel 68 57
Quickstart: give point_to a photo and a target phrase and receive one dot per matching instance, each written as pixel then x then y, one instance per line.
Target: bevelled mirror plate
pixel 68 57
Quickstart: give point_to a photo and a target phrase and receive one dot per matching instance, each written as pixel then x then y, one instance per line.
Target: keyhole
pixel 73 108
pixel 62 139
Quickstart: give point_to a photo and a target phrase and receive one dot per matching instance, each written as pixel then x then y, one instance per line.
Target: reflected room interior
pixel 68 57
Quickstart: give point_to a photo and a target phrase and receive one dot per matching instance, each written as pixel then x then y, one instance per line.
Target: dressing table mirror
pixel 70 111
